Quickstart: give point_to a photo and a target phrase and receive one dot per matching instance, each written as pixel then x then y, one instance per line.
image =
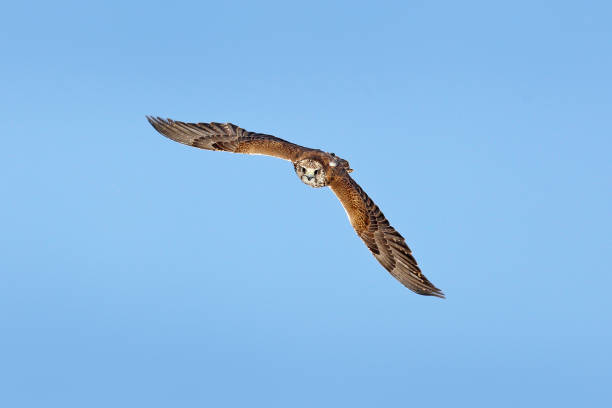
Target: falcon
pixel 315 168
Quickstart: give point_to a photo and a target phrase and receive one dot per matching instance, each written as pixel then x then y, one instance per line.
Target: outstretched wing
pixel 385 243
pixel 226 137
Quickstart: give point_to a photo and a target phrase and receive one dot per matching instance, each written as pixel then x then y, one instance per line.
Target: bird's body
pixel 315 168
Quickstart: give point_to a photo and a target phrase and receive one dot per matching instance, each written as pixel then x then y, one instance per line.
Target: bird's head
pixel 311 172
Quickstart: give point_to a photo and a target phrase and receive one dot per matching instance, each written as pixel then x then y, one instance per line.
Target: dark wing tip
pixel 420 284
pixel 435 292
pixel 423 286
pixel 173 130
pixel 157 122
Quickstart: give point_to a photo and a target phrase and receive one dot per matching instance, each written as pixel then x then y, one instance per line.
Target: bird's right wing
pixel 226 137
pixel 385 243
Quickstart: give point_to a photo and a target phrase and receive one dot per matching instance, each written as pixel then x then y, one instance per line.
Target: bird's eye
pixel 316 172
pixel 303 170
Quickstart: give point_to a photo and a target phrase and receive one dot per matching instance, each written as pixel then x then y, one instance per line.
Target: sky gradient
pixel 135 271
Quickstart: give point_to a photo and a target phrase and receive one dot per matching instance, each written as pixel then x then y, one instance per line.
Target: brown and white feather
pixel 385 243
pixel 226 137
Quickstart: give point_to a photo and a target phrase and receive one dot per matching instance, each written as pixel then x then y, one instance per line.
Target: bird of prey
pixel 317 169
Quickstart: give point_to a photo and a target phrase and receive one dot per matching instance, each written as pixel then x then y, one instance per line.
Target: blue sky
pixel 139 272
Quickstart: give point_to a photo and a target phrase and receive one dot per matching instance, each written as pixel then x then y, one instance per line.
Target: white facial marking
pixel 311 172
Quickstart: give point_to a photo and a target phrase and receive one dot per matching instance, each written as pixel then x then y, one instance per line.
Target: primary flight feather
pixel 317 169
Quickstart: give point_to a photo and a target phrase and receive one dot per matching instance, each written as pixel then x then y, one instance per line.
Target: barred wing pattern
pixel 385 243
pixel 226 137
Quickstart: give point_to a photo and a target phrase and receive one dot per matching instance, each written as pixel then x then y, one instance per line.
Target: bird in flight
pixel 317 169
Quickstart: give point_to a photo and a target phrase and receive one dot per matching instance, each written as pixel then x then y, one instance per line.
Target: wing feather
pixel 386 244
pixel 226 137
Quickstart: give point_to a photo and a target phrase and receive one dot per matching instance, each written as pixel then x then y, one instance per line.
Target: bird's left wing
pixel 385 243
pixel 226 137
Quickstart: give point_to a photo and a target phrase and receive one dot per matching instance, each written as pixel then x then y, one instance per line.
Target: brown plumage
pixel 317 169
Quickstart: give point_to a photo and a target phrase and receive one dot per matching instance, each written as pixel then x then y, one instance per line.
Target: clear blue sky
pixel 135 271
